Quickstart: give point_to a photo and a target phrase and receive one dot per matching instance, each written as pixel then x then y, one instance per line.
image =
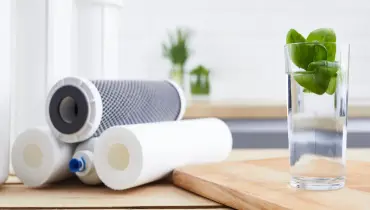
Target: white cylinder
pixel 39 159
pixel 42 51
pixel 97 38
pixel 6 65
pixel 82 163
pixel 133 155
pixel 28 80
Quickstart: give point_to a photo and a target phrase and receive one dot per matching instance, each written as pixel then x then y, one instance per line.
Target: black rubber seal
pixel 81 104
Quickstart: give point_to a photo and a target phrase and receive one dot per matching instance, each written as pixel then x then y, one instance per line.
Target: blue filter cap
pixel 77 165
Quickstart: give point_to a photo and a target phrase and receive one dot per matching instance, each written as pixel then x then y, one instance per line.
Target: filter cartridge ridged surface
pixel 96 105
pixel 132 102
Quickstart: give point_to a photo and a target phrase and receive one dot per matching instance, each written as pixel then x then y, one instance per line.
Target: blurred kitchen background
pixel 234 69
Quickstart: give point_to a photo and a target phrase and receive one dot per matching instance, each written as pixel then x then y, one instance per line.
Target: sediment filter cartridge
pixel 78 109
pixel 132 155
pixel 39 158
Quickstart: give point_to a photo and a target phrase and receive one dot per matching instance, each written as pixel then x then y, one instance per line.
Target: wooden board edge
pixel 131 208
pixel 198 186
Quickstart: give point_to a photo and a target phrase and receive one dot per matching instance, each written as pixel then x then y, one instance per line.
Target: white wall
pixel 242 40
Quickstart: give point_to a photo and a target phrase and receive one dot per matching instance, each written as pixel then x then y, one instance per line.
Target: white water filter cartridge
pixel 97 37
pixel 133 155
pixel 82 163
pixel 6 58
pixel 29 76
pixel 42 55
pixel 78 109
pixel 39 158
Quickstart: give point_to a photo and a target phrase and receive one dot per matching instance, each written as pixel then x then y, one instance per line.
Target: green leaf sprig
pixel 177 50
pixel 315 55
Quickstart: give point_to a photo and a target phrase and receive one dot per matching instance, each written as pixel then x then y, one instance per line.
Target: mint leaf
pixel 330 67
pixel 318 52
pixel 303 53
pixel 322 35
pixel 314 81
pixel 298 52
pixel 294 37
pixel 327 37
pixel 332 85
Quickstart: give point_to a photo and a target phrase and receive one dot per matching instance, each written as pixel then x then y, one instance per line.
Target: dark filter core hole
pixel 68 109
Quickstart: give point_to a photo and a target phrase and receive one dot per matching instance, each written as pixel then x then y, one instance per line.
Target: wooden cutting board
pixel 263 184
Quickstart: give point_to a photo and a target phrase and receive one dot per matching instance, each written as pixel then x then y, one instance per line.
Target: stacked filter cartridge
pixel 120 133
pixel 78 111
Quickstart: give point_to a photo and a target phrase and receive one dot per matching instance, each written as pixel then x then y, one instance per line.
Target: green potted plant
pixel 177 52
pixel 199 81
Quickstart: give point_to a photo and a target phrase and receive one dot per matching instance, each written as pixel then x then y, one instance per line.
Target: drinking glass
pixel 317 84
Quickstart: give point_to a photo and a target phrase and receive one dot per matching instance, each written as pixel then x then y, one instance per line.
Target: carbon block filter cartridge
pixel 133 155
pixel 39 158
pixel 78 109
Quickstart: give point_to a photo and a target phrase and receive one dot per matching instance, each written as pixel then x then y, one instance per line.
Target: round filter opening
pixel 74 109
pixel 32 156
pixel 68 110
pixel 118 157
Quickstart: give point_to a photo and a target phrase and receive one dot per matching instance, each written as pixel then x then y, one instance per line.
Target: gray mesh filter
pixel 94 106
pixel 132 102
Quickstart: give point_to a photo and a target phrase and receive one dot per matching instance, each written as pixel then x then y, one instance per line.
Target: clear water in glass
pixel 317 134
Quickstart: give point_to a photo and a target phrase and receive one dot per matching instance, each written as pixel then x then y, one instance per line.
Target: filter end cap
pixel 76 165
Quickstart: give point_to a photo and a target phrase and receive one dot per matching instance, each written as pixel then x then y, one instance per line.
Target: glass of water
pixel 317 85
